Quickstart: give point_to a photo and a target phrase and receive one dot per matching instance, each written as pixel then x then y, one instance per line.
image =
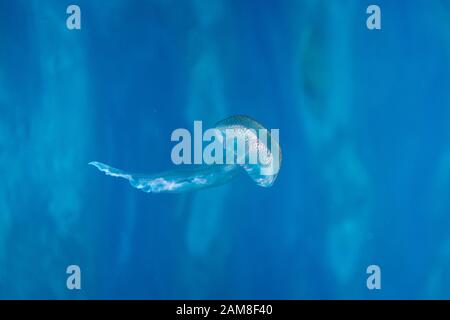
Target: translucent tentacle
pixel 177 180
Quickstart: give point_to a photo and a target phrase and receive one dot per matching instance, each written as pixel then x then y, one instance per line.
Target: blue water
pixel 363 118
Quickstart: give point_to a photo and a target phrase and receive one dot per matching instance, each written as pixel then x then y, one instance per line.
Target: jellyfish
pixel 195 177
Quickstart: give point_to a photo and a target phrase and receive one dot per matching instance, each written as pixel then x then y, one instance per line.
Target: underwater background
pixel 364 119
